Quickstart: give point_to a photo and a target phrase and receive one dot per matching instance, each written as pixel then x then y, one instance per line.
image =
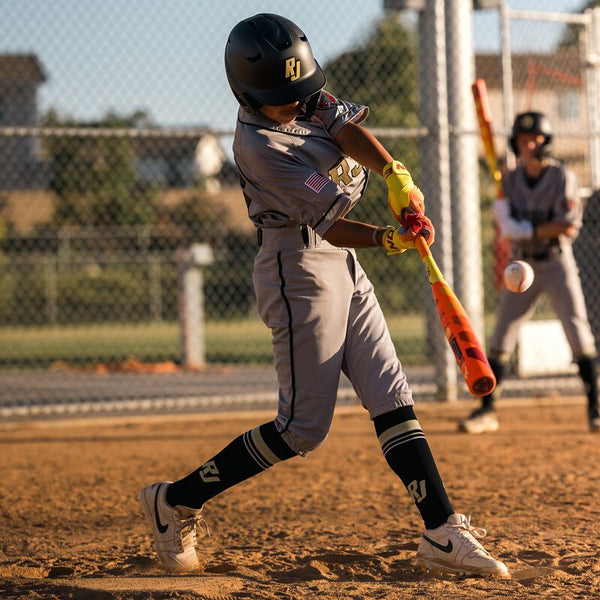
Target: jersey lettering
pixel 341 174
pixel 209 473
pixel 292 69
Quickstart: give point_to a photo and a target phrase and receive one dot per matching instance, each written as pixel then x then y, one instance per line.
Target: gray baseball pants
pixel 325 320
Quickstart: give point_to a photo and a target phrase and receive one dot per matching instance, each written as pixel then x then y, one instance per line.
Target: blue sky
pixel 166 56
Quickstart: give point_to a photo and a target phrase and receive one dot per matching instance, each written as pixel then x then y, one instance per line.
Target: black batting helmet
pixel 531 122
pixel 268 60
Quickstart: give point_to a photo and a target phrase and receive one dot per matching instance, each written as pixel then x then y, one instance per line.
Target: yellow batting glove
pixel 397 241
pixel 402 191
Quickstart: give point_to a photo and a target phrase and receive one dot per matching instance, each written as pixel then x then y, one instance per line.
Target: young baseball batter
pixel 541 214
pixel 304 160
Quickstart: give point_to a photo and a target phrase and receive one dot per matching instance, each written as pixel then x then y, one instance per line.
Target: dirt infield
pixel 336 525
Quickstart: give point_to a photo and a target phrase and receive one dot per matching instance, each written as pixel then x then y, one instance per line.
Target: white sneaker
pixel 452 548
pixel 173 529
pixel 480 421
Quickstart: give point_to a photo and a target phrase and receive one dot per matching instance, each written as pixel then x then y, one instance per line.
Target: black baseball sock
pixel 487 401
pixel 407 452
pixel 246 456
pixel 589 376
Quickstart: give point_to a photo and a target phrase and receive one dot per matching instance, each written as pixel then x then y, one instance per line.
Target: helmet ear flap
pixel 246 101
pixel 311 104
pixel 249 104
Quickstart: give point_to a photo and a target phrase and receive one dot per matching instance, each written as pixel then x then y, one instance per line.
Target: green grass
pixel 88 343
pixel 244 341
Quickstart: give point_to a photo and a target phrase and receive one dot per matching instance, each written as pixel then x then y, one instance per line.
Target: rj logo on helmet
pixel 292 69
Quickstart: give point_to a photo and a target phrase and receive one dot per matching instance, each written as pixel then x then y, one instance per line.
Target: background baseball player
pixel 541 213
pixel 303 160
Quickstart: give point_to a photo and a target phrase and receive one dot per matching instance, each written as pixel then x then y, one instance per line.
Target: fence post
pixel 435 154
pixel 190 263
pixel 592 74
pixel 464 171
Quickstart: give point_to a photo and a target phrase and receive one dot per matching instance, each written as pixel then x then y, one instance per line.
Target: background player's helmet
pixel 532 122
pixel 268 60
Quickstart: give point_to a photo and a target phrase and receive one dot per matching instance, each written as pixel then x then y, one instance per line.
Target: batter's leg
pixel 247 455
pixel 371 364
pixel 568 301
pixel 173 510
pixel 305 300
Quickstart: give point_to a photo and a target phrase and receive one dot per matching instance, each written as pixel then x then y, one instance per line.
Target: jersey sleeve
pixel 334 113
pixel 285 190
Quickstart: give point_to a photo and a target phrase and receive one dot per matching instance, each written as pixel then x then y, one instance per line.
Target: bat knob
pixel 483 386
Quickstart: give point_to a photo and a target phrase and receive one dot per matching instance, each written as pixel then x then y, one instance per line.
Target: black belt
pixel 303 232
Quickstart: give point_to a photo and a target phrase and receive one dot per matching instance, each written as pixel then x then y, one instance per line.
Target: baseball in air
pixel 518 276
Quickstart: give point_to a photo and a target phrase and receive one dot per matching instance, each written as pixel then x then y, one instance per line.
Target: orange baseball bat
pixel 459 331
pixel 486 131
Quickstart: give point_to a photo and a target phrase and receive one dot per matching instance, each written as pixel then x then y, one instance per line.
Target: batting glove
pixel 509 227
pixel 402 191
pixel 397 241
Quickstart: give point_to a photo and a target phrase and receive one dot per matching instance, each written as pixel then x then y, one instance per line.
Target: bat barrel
pixel 469 354
pixel 474 366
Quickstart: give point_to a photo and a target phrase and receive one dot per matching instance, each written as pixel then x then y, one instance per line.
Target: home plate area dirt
pixel 336 525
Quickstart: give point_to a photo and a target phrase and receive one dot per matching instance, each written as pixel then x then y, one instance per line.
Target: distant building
pixel 177 161
pixel 20 163
pixel 168 161
pixel 550 83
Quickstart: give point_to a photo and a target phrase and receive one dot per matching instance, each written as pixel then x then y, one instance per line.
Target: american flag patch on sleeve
pixel 316 182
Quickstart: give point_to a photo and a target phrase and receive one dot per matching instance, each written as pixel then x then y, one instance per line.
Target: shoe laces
pixel 187 526
pixel 469 533
pixel 201 522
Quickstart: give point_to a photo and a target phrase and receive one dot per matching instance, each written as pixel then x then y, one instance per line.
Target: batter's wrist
pixel 378 235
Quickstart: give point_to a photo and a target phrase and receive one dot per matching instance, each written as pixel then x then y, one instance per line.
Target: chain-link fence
pixel 115 131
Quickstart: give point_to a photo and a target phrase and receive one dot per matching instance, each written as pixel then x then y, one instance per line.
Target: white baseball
pixel 518 276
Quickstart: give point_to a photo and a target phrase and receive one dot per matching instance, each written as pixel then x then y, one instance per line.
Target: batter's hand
pixel 402 191
pixel 419 224
pixel 397 241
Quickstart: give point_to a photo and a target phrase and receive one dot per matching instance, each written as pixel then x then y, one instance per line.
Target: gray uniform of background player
pixel 554 197
pixel 315 297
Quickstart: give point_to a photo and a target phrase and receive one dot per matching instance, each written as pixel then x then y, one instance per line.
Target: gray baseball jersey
pixel 315 297
pixel 554 197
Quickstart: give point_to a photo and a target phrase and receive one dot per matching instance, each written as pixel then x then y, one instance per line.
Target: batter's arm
pixel 345 233
pixel 360 144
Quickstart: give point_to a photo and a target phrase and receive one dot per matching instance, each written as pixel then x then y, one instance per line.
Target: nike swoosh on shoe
pixel 161 528
pixel 447 548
